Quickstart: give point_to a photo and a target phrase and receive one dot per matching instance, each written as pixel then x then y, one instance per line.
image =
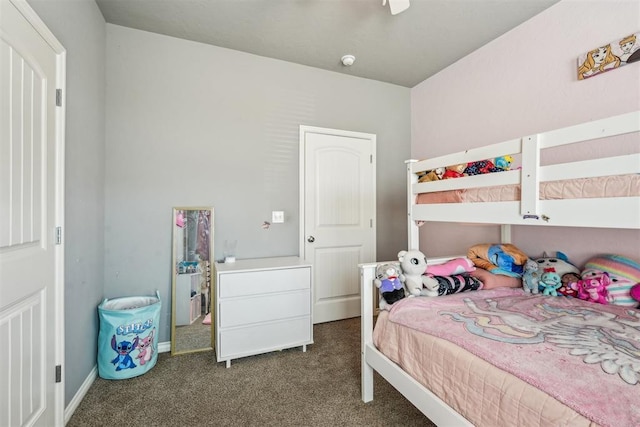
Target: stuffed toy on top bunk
pixel 499 164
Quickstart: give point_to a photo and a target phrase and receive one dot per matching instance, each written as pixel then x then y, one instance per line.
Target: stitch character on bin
pixel 145 348
pixel 124 348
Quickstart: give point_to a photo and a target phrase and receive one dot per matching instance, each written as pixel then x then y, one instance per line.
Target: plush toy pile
pixel 532 280
pixel 605 279
pixel 611 277
pixel 412 277
pixel 499 164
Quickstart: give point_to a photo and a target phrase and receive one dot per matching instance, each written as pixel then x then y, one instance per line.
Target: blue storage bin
pixel 128 338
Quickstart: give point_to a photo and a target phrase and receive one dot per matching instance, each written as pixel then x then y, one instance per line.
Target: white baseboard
pixel 82 391
pixel 163 347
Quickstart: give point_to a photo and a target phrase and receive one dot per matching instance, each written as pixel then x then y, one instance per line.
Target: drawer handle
pixel 311 239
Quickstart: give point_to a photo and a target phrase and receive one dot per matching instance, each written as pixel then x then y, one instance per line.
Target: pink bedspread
pixel 585 355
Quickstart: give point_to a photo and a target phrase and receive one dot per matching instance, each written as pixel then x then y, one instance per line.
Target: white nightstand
pixel 262 305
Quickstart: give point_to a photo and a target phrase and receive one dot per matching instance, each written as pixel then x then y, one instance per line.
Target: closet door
pixel 338 191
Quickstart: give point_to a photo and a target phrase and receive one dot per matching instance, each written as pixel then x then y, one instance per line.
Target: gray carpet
pixel 193 336
pixel 287 388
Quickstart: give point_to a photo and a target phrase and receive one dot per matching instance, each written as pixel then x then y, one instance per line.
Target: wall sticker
pixel 609 57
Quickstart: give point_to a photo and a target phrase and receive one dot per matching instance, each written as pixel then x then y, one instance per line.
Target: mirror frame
pixel 174 274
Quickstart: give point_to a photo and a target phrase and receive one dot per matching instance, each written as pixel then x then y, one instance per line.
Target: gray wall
pixel 194 125
pixel 180 117
pixel 79 26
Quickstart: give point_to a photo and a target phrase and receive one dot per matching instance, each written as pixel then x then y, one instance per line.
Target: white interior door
pixel 338 227
pixel 31 153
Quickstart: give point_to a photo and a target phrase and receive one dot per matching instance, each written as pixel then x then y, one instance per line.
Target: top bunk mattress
pixel 581 188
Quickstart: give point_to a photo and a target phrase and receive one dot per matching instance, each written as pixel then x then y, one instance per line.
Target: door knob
pixel 311 239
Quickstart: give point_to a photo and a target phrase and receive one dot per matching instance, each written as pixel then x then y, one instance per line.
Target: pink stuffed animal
pixel 635 292
pixel 623 273
pixel 593 288
pixel 145 346
pixel 451 267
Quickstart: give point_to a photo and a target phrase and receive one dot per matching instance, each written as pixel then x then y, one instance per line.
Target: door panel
pixel 30 196
pixel 339 216
pixel 338 294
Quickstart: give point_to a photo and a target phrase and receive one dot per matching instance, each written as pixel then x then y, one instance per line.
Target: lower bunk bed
pixel 502 357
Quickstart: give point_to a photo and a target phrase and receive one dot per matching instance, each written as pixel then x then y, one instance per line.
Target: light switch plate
pixel 277 217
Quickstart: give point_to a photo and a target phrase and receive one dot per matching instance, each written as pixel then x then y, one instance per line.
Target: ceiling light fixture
pixel 348 60
pixel 397 6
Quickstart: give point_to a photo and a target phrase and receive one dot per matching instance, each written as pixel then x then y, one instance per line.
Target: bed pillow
pixel 623 272
pixel 492 281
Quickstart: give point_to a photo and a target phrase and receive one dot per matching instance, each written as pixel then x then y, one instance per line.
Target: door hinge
pixel 371 158
pixel 371 223
pixel 58 97
pixel 58 373
pixel 58 235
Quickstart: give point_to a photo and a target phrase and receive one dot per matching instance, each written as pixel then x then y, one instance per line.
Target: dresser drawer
pixel 264 337
pixel 261 282
pixel 264 308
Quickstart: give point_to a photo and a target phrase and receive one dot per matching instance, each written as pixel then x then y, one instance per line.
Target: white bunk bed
pixel 610 212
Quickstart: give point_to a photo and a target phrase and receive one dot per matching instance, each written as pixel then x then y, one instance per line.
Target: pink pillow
pixel 491 281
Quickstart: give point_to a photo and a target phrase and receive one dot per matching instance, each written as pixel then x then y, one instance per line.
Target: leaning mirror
pixel 191 302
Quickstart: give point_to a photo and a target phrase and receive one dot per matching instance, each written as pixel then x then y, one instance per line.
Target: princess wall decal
pixel 609 57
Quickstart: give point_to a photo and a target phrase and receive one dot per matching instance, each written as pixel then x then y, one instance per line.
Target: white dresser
pixel 262 305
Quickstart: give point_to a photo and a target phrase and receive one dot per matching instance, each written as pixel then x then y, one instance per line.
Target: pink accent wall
pixel 522 83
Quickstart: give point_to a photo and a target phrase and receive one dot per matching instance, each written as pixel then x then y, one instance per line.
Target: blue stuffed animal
pixel 531 277
pixel 551 282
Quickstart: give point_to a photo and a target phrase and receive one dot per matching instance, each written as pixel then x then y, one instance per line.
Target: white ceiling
pixel 403 49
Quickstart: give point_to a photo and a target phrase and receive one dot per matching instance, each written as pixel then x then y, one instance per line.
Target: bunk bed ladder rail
pixel 530 177
pixel 413 230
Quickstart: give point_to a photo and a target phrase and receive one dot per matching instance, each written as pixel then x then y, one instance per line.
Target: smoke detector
pixel 348 60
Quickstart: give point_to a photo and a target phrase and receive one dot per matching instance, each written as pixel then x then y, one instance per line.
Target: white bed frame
pixel 619 212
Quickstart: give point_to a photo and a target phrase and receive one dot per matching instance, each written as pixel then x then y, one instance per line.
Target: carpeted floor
pixel 287 388
pixel 193 336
